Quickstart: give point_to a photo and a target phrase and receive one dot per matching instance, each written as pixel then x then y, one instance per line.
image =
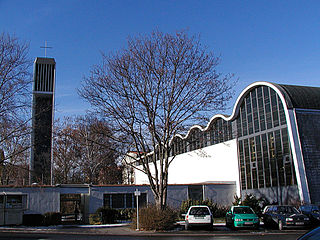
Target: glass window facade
pixel 195 192
pixel 124 200
pixel 263 145
pixel 219 131
pixel 264 153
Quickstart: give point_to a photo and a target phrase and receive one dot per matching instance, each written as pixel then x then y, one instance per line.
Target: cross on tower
pixel 45 48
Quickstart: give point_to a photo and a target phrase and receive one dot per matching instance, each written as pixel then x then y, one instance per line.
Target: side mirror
pixel 183 214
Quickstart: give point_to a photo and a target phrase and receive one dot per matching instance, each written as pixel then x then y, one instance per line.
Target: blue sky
pixel 276 41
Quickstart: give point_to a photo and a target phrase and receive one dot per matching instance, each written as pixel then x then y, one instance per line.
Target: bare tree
pixel 98 155
pixel 15 100
pixel 84 152
pixel 14 169
pixel 65 152
pixel 156 87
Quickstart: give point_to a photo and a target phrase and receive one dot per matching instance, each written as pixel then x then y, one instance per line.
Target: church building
pixel 269 145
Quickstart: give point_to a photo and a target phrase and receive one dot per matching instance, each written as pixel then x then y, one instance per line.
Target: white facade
pixel 128 176
pixel 215 163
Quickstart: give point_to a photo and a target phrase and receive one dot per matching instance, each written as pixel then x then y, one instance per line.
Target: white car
pixel 199 216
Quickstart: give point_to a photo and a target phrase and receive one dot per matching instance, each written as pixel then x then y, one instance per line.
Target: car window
pixel 287 209
pixel 242 210
pixel 199 211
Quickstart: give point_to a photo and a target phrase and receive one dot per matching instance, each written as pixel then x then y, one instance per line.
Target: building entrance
pixel 71 208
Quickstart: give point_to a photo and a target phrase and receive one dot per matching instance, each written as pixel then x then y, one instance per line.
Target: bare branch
pixel 161 83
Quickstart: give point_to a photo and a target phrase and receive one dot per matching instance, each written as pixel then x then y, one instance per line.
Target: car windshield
pixel 287 209
pixel 199 211
pixel 242 210
pixel 315 209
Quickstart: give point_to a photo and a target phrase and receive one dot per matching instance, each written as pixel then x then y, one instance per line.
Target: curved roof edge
pixel 291 96
pixel 302 97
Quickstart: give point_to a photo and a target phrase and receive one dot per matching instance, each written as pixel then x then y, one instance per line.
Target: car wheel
pixel 257 226
pixel 280 225
pixel 227 224
pixel 233 226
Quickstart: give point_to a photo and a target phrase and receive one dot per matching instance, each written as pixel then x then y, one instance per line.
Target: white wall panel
pixel 216 163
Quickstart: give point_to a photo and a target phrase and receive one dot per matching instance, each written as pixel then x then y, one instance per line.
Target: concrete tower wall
pixel 42 119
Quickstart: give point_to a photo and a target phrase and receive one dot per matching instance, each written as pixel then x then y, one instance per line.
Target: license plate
pixel 299 223
pixel 199 217
pixel 248 223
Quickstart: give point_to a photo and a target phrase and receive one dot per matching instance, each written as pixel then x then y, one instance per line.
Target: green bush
pixel 108 215
pixel 152 218
pixel 32 219
pixel 257 204
pixel 217 210
pixel 125 214
pixel 52 218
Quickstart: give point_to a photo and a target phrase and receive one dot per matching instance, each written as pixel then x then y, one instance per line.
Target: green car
pixel 242 216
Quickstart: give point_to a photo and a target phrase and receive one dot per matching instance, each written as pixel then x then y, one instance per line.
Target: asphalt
pixel 127 230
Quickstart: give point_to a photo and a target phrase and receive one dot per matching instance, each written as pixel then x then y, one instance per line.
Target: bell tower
pixel 42 121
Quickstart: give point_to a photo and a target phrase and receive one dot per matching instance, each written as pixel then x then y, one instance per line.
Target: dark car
pixel 314 234
pixel 284 216
pixel 313 212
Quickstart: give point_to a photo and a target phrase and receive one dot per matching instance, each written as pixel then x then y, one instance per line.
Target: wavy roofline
pixel 285 99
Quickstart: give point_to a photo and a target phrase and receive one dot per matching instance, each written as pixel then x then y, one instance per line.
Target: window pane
pixel 244 120
pixel 279 157
pixel 129 197
pixel 261 109
pixel 281 113
pixel 14 201
pixel 260 162
pixel 239 129
pixel 242 166
pixel 255 111
pixel 195 192
pixel 249 114
pixel 106 200
pixel 267 107
pixel 143 200
pixel 253 163
pixel 266 160
pixel 288 166
pixel 272 156
pixel 247 163
pixel 118 200
pixel 274 105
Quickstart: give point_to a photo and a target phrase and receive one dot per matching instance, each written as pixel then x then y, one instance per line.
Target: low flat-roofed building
pixel 84 199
